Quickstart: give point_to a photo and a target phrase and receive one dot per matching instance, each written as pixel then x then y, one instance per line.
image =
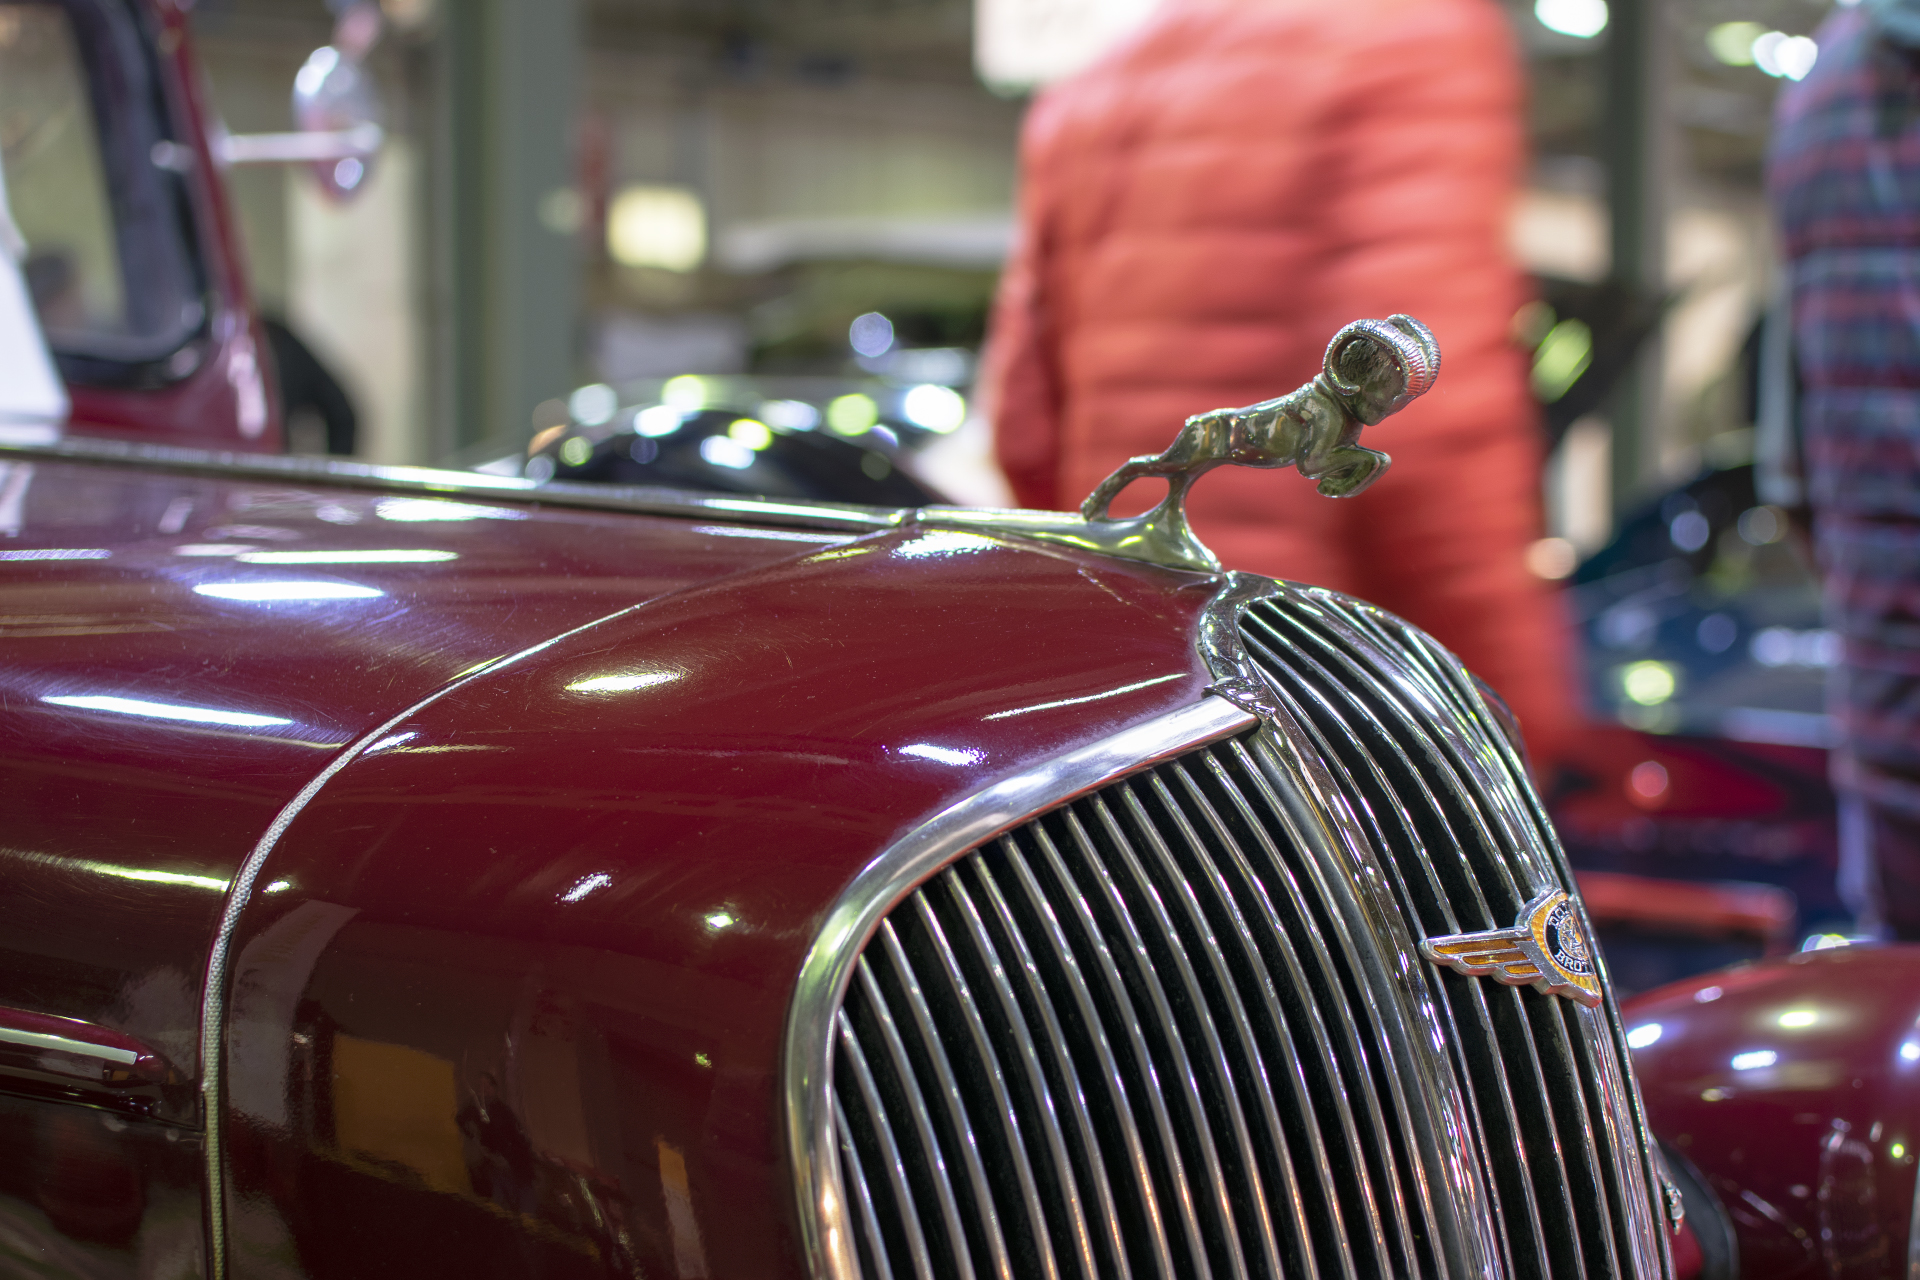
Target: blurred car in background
pixel 829 439
pixel 1707 761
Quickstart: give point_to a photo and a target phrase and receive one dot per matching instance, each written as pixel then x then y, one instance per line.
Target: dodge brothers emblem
pixel 1546 948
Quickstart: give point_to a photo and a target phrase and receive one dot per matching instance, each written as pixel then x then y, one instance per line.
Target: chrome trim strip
pixel 1236 677
pixel 1111 1081
pixel 886 880
pixel 286 469
pixel 213 997
pixel 64 1044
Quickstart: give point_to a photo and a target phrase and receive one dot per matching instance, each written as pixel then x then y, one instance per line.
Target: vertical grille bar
pixel 1270 1154
pixel 1027 1080
pixel 1213 1074
pixel 873 1249
pixel 995 1118
pixel 1101 1246
pixel 1540 1173
pixel 936 1203
pixel 1133 1007
pixel 903 1207
pixel 1415 1150
pixel 1429 707
pixel 980 1218
pixel 1584 1065
pixel 1124 1145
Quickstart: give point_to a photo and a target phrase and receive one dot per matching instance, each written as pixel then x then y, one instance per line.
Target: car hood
pixel 183 653
pixel 573 893
pixel 505 828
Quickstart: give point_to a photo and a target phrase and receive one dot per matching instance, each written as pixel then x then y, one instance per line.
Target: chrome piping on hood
pixel 642 499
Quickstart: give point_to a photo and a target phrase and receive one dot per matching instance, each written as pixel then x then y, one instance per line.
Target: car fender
pixel 1793 1087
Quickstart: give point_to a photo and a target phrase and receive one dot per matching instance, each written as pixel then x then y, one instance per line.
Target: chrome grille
pixel 1408 740
pixel 1165 1030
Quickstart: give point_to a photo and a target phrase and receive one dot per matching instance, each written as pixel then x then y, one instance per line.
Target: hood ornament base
pixel 1373 368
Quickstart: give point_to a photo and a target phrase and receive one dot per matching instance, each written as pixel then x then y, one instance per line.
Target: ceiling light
pixel 1732 42
pixel 1583 19
pixel 934 408
pixel 662 227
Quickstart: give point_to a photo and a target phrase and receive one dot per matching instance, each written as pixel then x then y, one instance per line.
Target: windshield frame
pixel 147 171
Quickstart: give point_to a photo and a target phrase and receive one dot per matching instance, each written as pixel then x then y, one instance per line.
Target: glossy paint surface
pixel 86 1193
pixel 180 655
pixel 561 910
pixel 1793 1085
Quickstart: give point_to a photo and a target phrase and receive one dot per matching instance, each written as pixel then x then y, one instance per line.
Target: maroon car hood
pixel 557 901
pixel 182 654
pixel 573 894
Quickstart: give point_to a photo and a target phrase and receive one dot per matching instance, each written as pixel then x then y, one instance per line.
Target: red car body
pixel 1790 1086
pixel 408 873
pixel 511 873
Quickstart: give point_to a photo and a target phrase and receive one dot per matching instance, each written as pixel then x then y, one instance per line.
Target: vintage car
pixel 412 872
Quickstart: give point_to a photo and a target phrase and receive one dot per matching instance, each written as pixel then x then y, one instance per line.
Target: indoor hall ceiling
pixel 821 40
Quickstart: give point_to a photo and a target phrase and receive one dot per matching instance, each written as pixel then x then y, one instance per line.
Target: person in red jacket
pixel 1202 209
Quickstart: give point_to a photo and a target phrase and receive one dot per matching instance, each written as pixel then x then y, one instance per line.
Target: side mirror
pixel 336 109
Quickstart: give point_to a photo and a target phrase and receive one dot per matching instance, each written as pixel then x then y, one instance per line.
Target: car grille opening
pixel 1143 1034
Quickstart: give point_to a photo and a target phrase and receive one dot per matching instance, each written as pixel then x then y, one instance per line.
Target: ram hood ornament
pixel 1547 948
pixel 1373 368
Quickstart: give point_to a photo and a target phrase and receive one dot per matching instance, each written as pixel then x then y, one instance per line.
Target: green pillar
pixel 504 252
pixel 1633 149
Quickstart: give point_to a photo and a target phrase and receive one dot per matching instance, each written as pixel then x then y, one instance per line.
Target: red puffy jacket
pixel 1203 209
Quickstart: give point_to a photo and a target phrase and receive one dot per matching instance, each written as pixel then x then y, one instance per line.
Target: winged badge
pixel 1547 948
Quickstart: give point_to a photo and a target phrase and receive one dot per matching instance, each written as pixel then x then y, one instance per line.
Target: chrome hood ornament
pixel 1373 368
pixel 1547 948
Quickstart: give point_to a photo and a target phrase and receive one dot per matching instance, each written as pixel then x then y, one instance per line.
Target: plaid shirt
pixel 1844 174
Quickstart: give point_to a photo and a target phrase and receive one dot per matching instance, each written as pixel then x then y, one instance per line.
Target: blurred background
pixel 599 231
pixel 581 192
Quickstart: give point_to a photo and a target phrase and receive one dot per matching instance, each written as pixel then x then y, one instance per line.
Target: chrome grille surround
pixel 1178 1026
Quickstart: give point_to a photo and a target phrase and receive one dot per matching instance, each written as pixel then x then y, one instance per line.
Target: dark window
pixel 90 179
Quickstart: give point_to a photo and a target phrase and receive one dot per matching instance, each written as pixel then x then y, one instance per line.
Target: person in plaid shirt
pixel 1843 172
